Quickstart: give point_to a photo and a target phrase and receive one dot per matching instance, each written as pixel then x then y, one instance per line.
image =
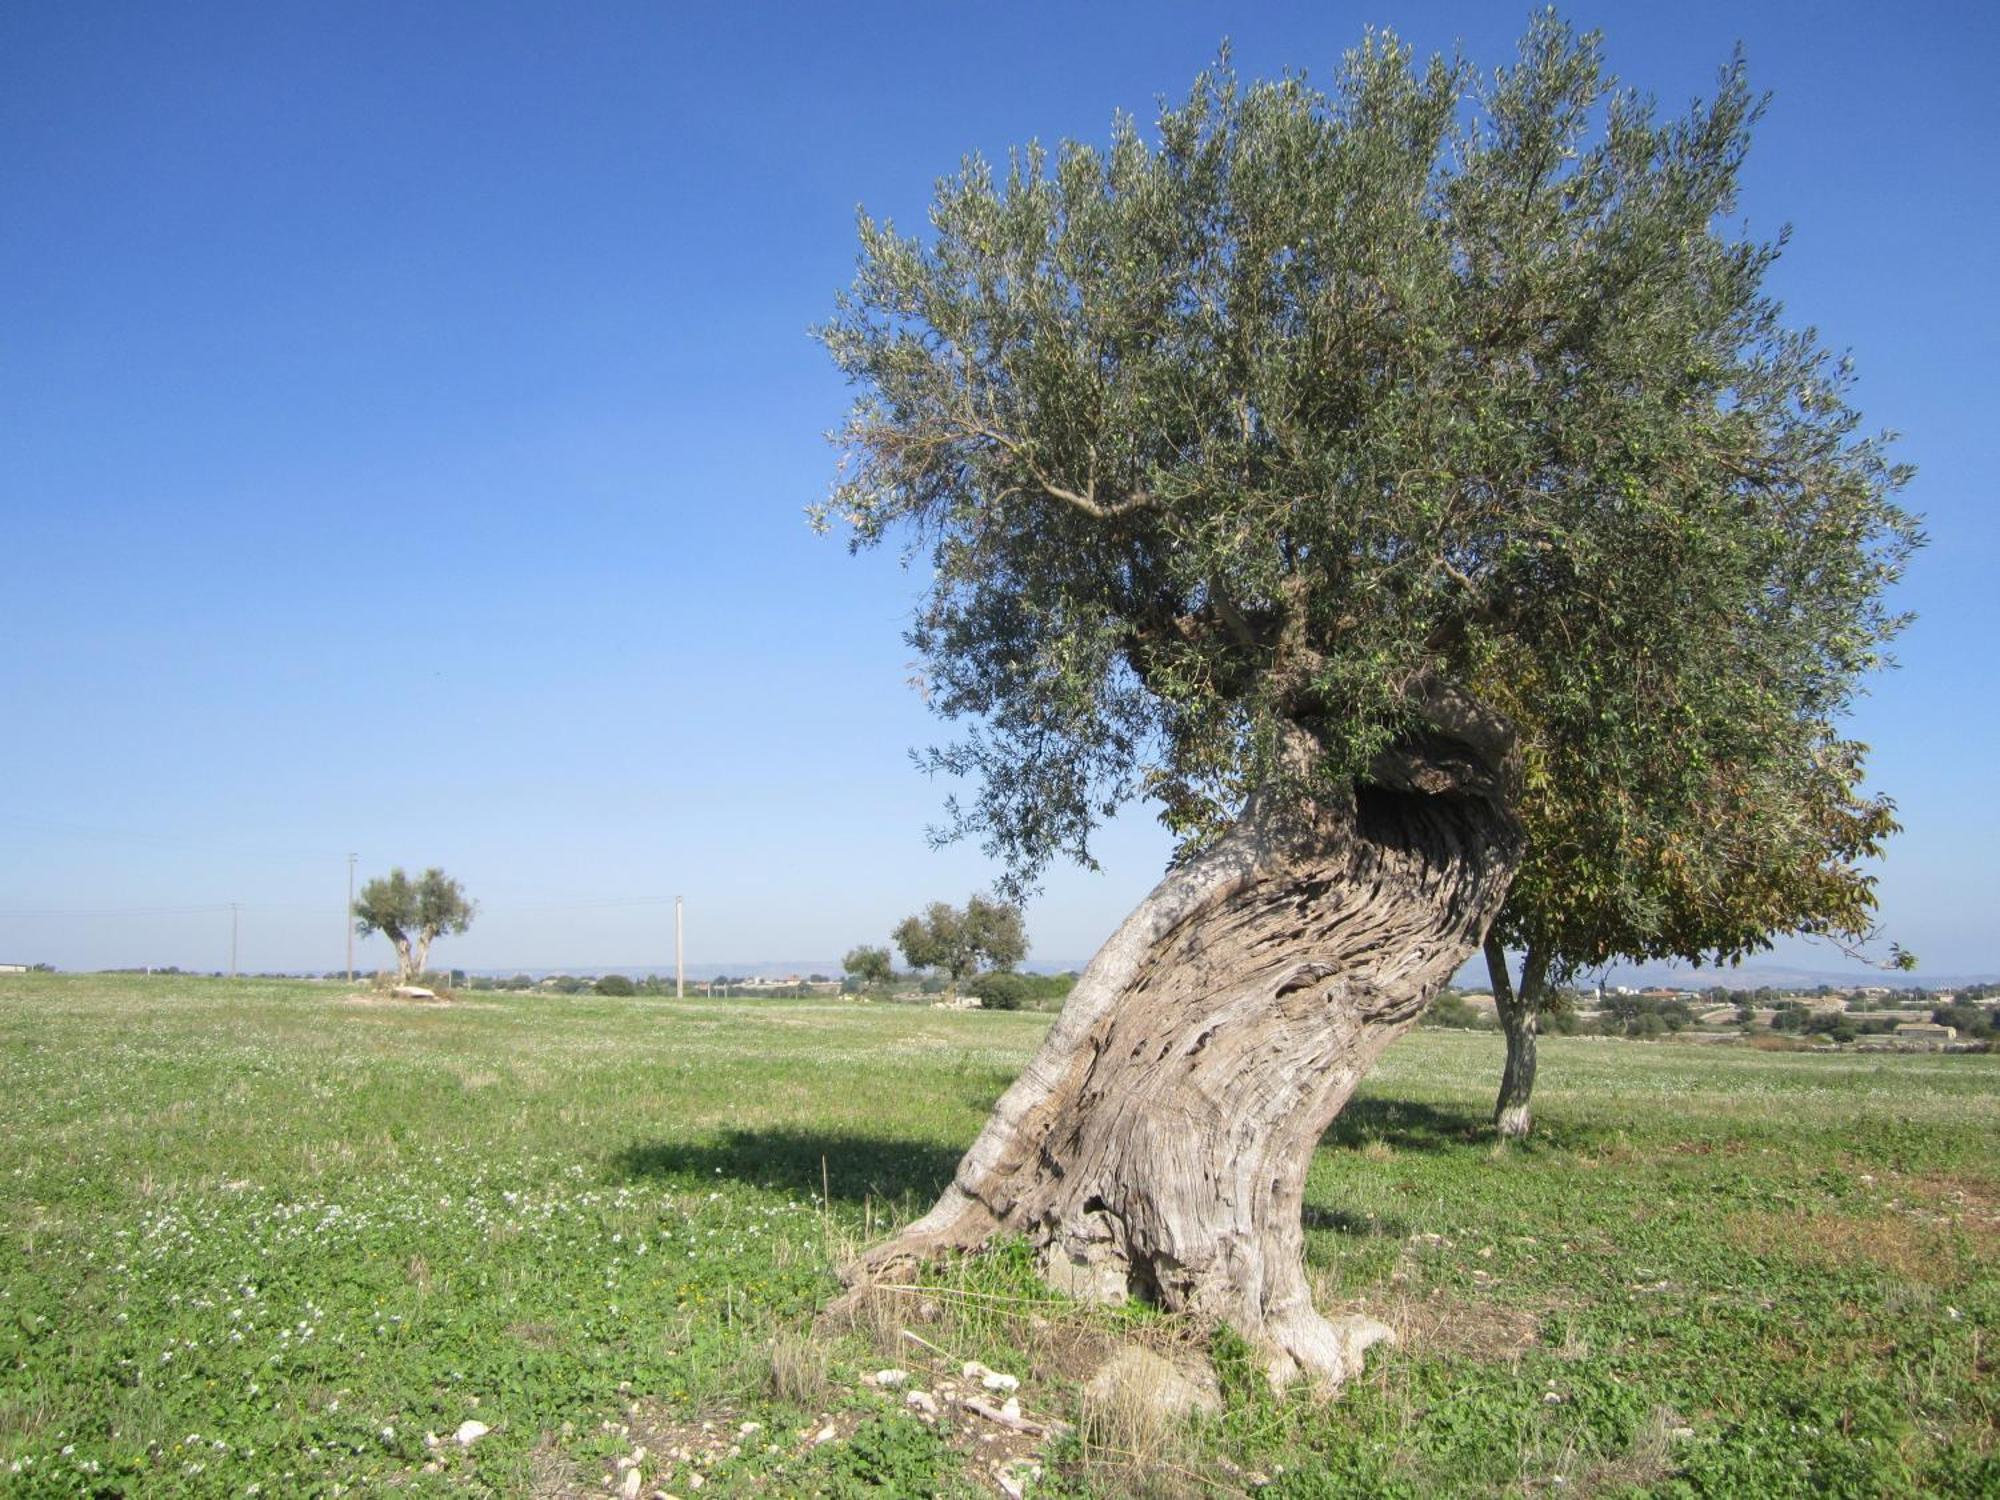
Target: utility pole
pixel 349 924
pixel 680 953
pixel 234 909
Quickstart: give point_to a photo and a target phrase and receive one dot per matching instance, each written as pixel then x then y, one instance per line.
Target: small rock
pixel 633 1483
pixel 921 1401
pixel 889 1380
pixel 430 1440
pixel 695 1481
pixel 994 1380
pixel 826 1434
pixel 1011 1408
pixel 413 992
pixel 1136 1378
pixel 749 1427
pixel 470 1432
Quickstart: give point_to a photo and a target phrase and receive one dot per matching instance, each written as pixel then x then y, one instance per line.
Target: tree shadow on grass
pixel 1354 1226
pixel 854 1166
pixel 1404 1126
pixel 851 1167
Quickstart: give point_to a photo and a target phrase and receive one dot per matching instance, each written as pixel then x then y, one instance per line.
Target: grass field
pixel 261 1239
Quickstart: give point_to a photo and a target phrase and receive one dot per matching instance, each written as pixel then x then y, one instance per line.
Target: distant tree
pixel 959 941
pixel 616 984
pixel 412 914
pixel 1790 1015
pixel 868 967
pixel 1448 1009
pixel 1000 989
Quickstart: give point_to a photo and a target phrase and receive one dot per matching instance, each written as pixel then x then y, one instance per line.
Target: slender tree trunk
pixel 423 956
pixel 1520 1017
pixel 404 965
pixel 1158 1142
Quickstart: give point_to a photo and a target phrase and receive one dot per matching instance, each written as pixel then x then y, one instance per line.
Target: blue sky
pixel 407 415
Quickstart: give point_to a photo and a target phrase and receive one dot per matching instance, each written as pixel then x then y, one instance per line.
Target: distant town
pixel 1873 1017
pixel 1863 1017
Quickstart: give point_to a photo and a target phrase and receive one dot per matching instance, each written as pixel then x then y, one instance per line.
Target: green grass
pixel 258 1236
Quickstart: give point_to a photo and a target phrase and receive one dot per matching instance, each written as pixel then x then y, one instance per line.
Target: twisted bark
pixel 1158 1142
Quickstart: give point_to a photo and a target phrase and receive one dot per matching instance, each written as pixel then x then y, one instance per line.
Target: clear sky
pixel 407 415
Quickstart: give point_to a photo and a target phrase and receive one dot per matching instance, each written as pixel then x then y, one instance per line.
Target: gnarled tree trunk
pixel 1158 1143
pixel 1520 1016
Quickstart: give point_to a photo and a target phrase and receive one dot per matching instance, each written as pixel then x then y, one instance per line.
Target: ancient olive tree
pixel 960 940
pixel 1754 841
pixel 1310 469
pixel 412 914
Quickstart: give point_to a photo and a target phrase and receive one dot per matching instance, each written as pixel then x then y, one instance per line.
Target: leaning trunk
pixel 406 965
pixel 1520 1016
pixel 1158 1143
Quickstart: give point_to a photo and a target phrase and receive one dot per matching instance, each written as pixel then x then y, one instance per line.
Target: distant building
pixel 14 968
pixel 1927 1031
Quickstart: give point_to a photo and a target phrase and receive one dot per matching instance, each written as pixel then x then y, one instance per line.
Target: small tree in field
pixel 1756 840
pixel 960 940
pixel 868 968
pixel 412 914
pixel 1381 482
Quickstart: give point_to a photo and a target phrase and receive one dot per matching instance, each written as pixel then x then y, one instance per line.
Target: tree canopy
pixel 958 940
pixel 1367 413
pixel 867 965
